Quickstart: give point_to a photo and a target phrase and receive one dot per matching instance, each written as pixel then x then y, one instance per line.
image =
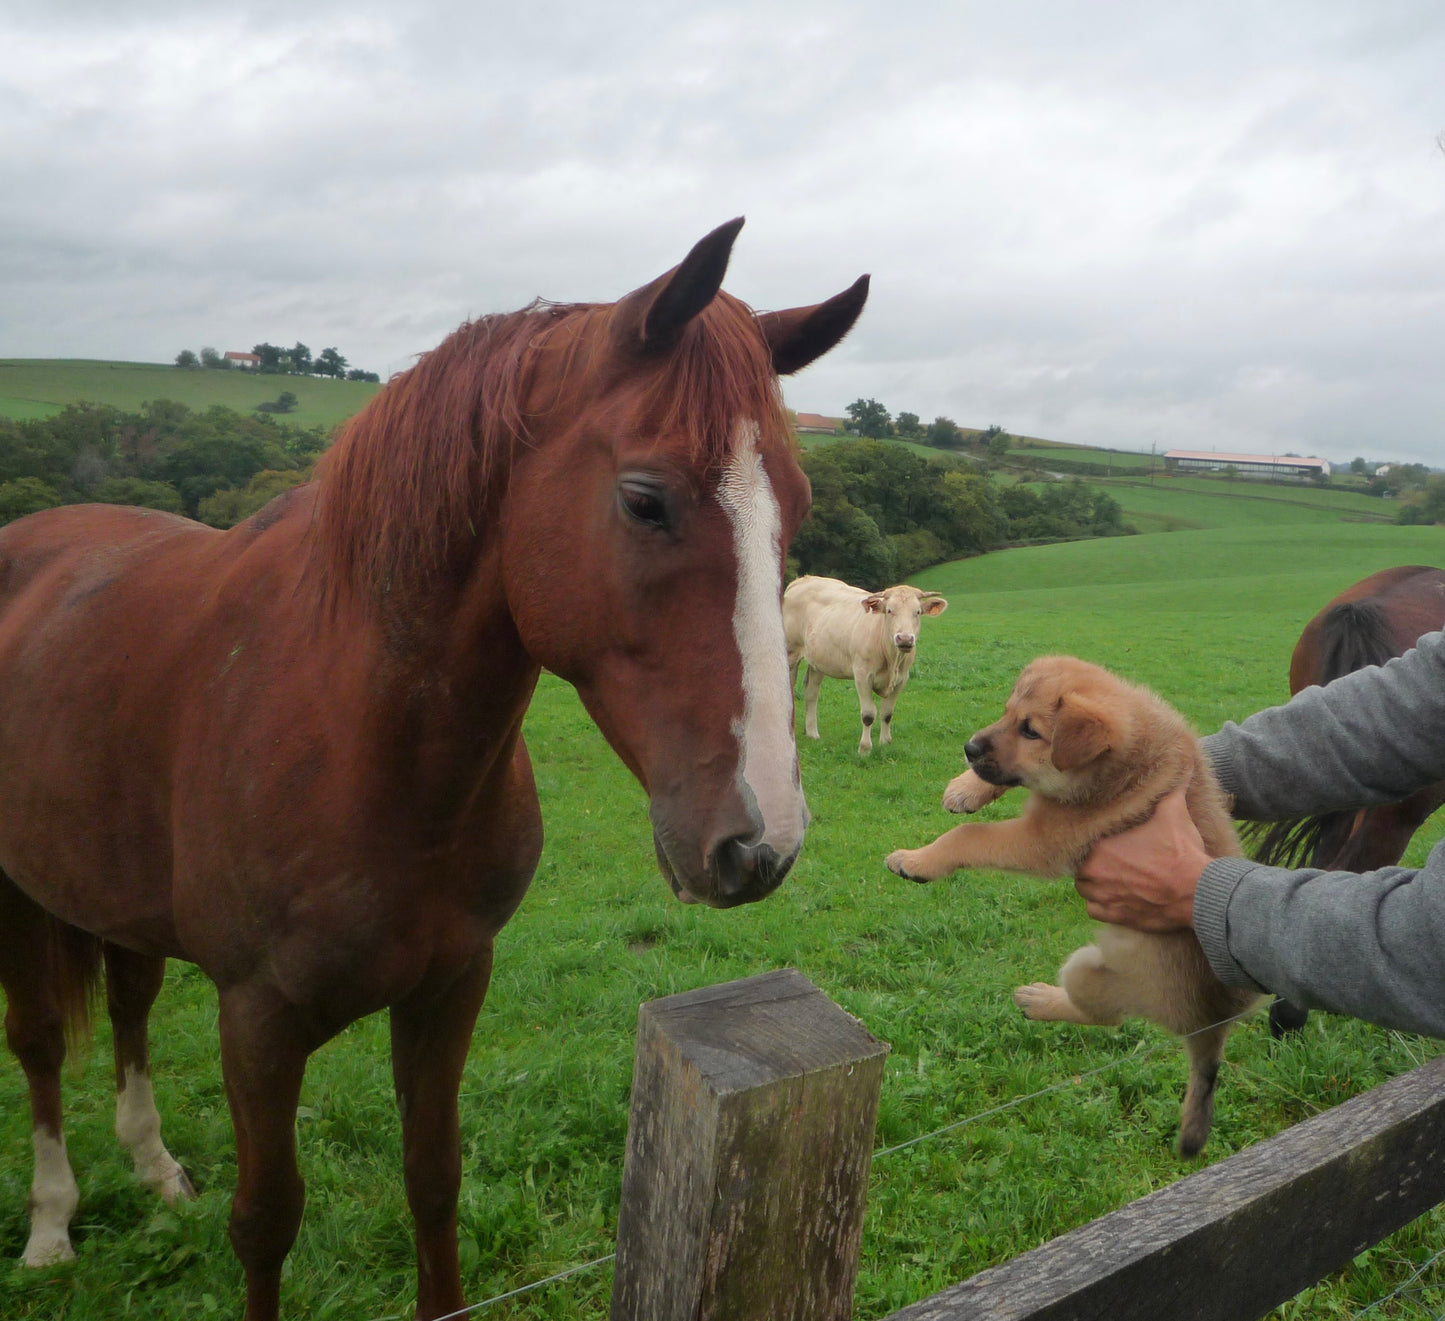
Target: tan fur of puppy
pixel 1097 755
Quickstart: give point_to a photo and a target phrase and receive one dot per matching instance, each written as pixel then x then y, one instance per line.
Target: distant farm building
pixel 817 424
pixel 245 361
pixel 1286 466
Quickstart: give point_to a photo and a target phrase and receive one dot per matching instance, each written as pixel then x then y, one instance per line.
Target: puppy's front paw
pixel 910 864
pixel 969 792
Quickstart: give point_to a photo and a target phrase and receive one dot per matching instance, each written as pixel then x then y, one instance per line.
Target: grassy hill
pixel 1207 616
pixel 38 387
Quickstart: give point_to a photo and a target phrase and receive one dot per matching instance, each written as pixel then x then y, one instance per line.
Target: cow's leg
pixel 35 1031
pixel 867 707
pixel 885 716
pixel 810 700
pixel 430 1033
pixel 264 1045
pixel 132 982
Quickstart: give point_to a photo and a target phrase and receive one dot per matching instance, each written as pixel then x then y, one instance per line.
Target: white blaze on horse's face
pixel 768 755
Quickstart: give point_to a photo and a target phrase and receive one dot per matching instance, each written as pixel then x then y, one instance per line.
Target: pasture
pixel 38 387
pixel 1207 617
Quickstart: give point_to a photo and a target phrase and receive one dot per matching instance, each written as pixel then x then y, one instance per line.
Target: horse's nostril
pixel 746 872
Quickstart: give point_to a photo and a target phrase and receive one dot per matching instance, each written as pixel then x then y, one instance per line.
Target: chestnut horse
pixel 1378 618
pixel 291 753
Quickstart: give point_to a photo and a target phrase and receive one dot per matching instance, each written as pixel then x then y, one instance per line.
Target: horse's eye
pixel 1028 731
pixel 644 503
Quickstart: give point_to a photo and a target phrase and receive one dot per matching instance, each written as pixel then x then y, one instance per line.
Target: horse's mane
pixel 410 484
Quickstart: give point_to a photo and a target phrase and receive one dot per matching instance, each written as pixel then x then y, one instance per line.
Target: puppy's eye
pixel 1028 731
pixel 644 502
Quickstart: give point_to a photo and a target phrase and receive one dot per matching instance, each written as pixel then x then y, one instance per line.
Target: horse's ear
pixel 803 334
pixel 651 319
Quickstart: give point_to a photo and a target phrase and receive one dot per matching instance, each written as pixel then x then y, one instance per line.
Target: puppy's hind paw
pixel 1044 1002
pixel 907 863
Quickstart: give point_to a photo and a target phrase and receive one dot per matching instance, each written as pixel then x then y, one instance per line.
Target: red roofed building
pixel 245 361
pixel 816 424
pixel 1288 466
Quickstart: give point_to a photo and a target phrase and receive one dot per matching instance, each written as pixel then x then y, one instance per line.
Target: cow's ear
pixel 872 604
pixel 933 604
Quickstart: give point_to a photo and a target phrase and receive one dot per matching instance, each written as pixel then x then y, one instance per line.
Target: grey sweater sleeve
pixel 1370 945
pixel 1373 736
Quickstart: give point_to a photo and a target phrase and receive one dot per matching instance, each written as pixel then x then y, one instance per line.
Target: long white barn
pixel 1246 465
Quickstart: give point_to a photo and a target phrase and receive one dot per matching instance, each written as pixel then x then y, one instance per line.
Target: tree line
pixel 881 513
pixel 869 418
pixel 215 465
pixel 276 361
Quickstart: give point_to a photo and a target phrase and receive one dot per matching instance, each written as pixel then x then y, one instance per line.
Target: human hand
pixel 1145 877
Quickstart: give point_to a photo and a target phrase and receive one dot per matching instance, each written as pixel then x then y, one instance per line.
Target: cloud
pixel 1119 223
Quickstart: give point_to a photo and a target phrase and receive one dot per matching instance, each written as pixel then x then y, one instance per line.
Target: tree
pixel 908 426
pixel 285 402
pixel 26 495
pixel 1357 466
pixel 1428 506
pixel 998 442
pixel 355 375
pixel 944 433
pixel 870 418
pixel 270 356
pixel 300 357
pixel 330 363
pixel 214 360
pixel 187 360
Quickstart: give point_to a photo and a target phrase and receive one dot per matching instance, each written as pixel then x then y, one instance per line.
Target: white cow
pixel 849 633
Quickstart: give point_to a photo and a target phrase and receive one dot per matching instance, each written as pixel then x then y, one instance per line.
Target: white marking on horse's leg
pixel 54 1196
pixel 138 1128
pixel 769 761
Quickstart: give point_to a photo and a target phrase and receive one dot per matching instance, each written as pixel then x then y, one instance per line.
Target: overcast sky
pixel 1215 224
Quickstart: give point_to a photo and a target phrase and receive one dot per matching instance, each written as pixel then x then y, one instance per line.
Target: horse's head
pixel 643 549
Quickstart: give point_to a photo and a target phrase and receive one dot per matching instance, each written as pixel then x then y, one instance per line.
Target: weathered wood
pixel 748 1151
pixel 1234 1240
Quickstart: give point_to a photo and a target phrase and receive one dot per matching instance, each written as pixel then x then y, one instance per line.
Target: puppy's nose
pixel 975 748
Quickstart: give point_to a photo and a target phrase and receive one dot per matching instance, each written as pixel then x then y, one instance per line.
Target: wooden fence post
pixel 748 1150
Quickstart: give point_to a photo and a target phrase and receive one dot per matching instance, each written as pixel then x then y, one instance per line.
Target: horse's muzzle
pixel 745 873
pixel 734 872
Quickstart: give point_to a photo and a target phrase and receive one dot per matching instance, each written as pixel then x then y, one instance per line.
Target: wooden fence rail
pixel 1238 1238
pixel 748 1153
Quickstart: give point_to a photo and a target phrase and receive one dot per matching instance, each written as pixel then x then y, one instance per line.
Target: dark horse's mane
pixel 1352 635
pixel 405 491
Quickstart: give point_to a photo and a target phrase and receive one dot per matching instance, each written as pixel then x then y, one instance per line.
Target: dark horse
pixel 291 753
pixel 1367 624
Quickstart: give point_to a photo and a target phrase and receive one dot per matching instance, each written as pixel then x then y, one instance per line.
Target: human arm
pixel 1373 736
pixel 1369 945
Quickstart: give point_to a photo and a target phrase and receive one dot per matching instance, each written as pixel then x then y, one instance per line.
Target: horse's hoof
pixel 1285 1018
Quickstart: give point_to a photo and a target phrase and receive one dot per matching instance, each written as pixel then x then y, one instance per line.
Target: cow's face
pixel 903 609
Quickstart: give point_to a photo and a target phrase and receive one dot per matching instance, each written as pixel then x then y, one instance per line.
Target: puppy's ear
pixel 1080 734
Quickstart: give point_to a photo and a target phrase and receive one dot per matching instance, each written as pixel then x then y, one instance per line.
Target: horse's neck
pixel 447 681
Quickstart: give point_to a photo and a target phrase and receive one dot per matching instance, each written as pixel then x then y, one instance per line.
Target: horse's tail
pixel 1352 635
pixel 73 965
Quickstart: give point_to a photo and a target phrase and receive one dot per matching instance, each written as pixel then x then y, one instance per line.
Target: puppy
pixel 1097 755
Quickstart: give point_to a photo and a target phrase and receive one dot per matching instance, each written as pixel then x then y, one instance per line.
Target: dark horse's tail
pixel 1352 635
pixel 73 965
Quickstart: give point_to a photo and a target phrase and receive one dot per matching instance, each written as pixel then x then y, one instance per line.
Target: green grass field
pixel 1207 617
pixel 38 387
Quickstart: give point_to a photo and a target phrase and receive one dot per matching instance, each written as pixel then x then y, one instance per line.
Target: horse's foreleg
pixel 264 1046
pixel 430 1033
pixel 132 982
pixel 35 1031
